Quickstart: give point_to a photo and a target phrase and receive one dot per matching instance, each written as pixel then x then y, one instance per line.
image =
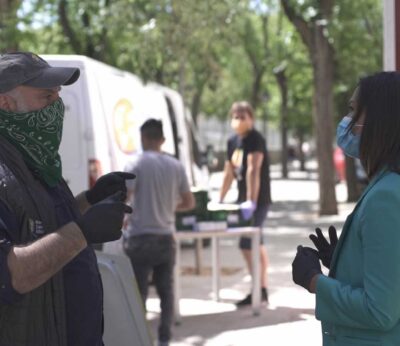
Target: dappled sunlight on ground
pixel 194 307
pixel 289 317
pixel 222 324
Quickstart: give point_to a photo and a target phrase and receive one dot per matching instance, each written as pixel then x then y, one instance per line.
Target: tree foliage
pixel 213 51
pixel 8 25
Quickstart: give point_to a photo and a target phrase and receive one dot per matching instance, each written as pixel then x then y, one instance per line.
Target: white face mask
pixel 241 125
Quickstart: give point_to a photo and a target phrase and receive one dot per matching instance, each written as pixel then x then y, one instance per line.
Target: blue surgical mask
pixel 346 140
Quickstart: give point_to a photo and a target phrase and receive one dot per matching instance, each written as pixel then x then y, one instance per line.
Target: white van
pixel 104 111
pixel 188 147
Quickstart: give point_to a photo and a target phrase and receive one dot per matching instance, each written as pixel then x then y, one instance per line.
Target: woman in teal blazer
pixel 358 303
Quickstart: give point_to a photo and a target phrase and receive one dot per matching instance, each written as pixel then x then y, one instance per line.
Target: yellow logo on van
pixel 124 126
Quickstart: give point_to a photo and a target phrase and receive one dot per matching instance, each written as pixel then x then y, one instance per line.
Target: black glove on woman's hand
pixel 103 221
pixel 108 185
pixel 305 265
pixel 325 250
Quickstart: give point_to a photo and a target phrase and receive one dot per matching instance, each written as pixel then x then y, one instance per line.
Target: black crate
pixel 201 198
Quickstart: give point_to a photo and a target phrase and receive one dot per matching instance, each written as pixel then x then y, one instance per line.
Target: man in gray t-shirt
pixel 160 189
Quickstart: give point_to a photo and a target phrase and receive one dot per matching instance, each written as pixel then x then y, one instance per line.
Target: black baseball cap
pixel 25 68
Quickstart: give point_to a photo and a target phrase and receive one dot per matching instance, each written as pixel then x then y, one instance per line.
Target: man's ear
pixel 7 103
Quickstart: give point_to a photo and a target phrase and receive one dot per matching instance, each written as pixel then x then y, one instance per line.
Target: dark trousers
pixel 259 217
pixel 155 254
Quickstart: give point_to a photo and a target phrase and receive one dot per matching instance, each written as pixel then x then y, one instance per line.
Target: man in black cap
pixel 50 287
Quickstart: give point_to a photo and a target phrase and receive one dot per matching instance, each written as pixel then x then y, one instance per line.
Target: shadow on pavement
pixel 308 176
pixel 214 324
pixel 299 214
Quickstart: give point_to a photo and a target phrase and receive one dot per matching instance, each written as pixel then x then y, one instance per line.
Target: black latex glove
pixel 305 265
pixel 325 249
pixel 103 221
pixel 108 185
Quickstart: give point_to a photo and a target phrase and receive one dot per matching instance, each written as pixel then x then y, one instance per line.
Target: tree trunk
pixel 8 25
pixel 182 78
pixel 67 29
pixel 322 59
pixel 196 102
pixel 314 35
pixel 353 188
pixel 89 49
pixel 282 83
pixel 256 87
pixel 302 157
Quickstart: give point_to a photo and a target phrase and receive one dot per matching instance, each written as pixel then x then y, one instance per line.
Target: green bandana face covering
pixel 37 136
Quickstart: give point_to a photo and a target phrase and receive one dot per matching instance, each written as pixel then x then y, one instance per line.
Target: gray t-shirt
pixel 160 182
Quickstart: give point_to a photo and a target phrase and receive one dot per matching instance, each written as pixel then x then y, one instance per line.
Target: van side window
pixel 172 117
pixel 197 157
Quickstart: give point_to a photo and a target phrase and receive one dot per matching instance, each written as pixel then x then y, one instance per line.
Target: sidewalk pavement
pixel 289 316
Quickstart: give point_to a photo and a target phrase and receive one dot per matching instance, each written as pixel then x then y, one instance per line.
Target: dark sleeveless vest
pixel 38 319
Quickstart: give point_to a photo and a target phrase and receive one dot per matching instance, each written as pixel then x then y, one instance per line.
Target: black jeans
pixel 155 253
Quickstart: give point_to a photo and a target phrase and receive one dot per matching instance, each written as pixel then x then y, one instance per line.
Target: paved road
pixel 290 315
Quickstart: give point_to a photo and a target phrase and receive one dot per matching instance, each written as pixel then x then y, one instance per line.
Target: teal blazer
pixel 359 302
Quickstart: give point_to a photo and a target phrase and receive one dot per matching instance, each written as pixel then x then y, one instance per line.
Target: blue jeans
pixel 155 254
pixel 259 216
